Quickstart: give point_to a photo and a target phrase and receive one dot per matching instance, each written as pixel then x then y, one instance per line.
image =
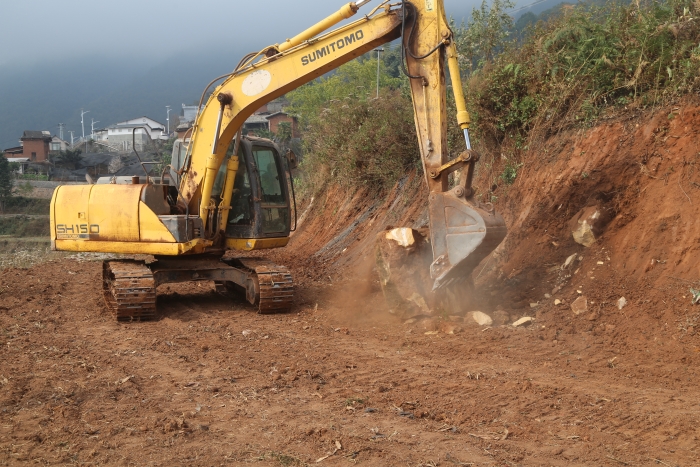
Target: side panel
pixel 69 213
pixel 115 209
pixel 151 227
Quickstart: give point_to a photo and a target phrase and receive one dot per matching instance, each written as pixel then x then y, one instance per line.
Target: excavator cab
pixel 260 211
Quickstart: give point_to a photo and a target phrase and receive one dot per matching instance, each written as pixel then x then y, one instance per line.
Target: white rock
pixel 621 303
pixel 580 305
pixel 534 305
pixel 600 263
pixel 569 261
pixel 246 332
pixel 402 236
pixel 547 295
pixel 557 302
pixel 482 318
pixel 523 321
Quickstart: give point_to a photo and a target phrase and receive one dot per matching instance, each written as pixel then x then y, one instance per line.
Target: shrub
pixel 362 143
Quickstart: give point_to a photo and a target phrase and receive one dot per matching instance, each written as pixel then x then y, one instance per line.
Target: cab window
pixel 270 176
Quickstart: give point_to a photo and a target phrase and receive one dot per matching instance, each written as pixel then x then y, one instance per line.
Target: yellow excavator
pixel 233 191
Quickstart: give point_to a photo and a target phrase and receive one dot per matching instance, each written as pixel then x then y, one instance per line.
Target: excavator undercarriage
pixel 129 286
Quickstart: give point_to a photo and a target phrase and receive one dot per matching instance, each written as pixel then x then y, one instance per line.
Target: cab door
pixel 260 206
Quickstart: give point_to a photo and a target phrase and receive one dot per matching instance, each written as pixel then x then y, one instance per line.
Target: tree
pixel 5 179
pixel 69 159
pixel 356 80
pixel 284 132
pixel 486 33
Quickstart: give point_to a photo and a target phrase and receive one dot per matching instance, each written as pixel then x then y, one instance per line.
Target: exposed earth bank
pixel 341 380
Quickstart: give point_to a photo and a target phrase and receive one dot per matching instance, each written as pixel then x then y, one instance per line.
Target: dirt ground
pixel 339 380
pixel 212 383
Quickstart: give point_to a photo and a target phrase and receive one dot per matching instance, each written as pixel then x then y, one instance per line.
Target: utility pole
pixel 92 128
pixel 82 123
pixel 168 115
pixel 82 120
pixel 379 50
pixel 71 137
pixel 60 130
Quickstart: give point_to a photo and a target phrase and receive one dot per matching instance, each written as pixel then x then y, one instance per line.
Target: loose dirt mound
pixel 340 380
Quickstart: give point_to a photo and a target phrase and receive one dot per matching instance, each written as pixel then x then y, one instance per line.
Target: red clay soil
pixel 341 381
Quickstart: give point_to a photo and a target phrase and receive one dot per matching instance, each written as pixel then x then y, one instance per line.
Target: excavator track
pixel 129 289
pixel 273 287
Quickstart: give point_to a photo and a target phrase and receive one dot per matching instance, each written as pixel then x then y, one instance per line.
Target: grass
pixel 22 205
pixel 24 226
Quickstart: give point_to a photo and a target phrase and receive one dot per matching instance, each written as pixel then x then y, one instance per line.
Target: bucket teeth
pixel 129 290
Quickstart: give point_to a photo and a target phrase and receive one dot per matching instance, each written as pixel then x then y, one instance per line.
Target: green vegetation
pixel 361 142
pixel 524 82
pixel 29 206
pixel 69 159
pixel 589 58
pixel 510 172
pixel 21 226
pixel 5 179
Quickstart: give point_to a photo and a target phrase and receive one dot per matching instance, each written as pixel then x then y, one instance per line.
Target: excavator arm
pixel 463 231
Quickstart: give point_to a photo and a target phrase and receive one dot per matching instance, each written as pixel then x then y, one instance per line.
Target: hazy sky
pixel 34 30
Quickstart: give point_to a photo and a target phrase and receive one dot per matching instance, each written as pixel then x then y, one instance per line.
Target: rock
pixel 621 303
pixel 410 321
pixel 523 322
pixel 580 305
pixel 456 318
pixel 584 235
pixel 534 305
pixel 403 260
pixel 557 302
pixel 403 236
pixel 482 319
pixel 600 263
pixel 569 261
pixel 589 223
pixel 547 295
pixel 500 317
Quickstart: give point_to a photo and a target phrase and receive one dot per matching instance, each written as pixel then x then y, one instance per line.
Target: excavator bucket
pixel 429 271
pixel 462 234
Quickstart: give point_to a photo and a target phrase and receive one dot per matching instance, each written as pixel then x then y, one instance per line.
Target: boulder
pixel 589 223
pixel 580 305
pixel 482 319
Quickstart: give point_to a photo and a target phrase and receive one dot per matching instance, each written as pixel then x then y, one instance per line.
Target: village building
pixel 140 131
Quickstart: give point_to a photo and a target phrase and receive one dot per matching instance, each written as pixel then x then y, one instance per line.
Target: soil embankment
pixel 341 380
